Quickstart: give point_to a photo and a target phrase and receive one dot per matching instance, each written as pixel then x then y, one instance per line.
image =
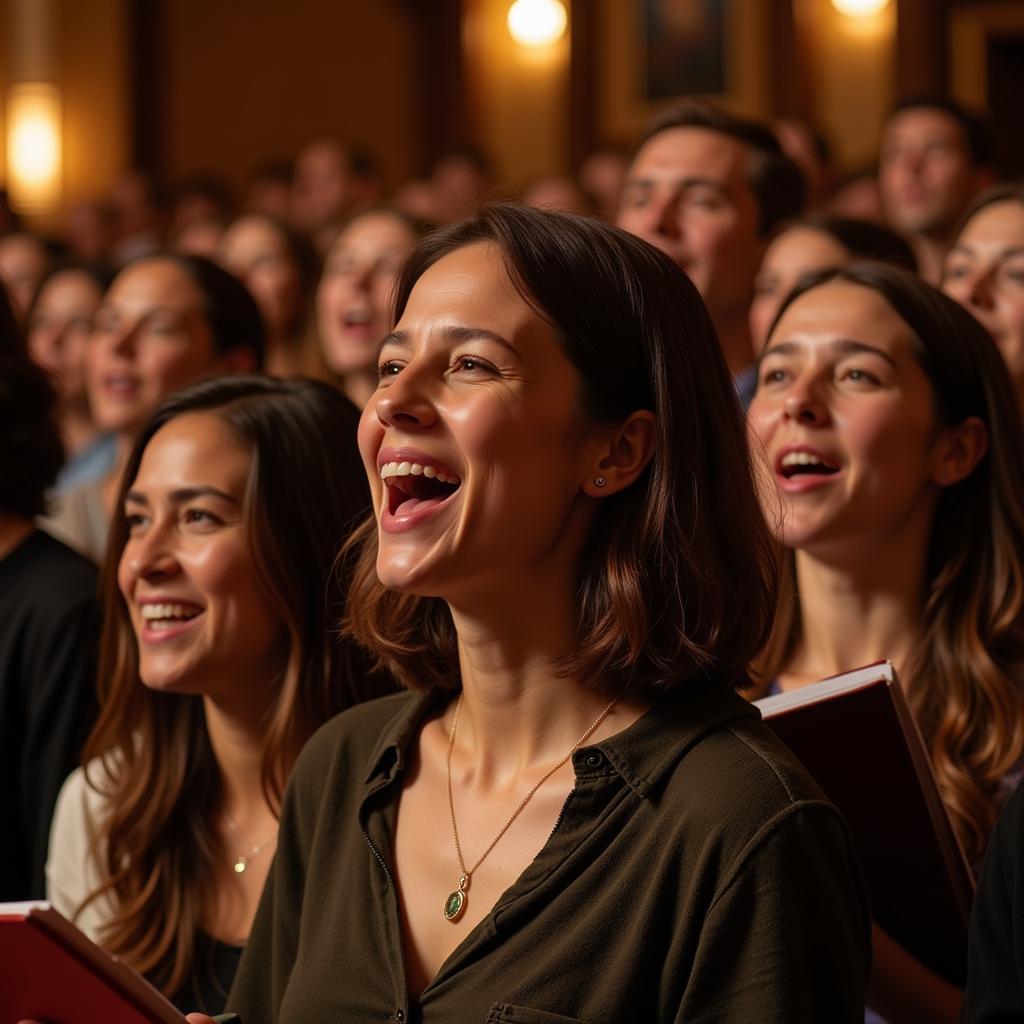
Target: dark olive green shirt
pixel 696 874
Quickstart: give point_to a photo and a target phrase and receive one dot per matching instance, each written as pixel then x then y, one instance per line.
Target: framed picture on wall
pixel 653 52
pixel 684 48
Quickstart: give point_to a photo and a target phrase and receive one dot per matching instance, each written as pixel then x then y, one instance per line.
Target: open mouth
pixel 158 617
pixel 794 464
pixel 121 384
pixel 413 485
pixel 357 319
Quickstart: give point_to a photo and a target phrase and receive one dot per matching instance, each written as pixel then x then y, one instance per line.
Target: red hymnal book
pixel 50 971
pixel 856 736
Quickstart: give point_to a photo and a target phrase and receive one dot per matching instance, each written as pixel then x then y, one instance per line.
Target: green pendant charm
pixel 456 902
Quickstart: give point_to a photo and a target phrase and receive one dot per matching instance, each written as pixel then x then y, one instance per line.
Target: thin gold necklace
pixel 455 904
pixel 242 859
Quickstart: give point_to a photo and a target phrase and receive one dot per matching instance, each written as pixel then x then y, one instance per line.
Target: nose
pixel 149 556
pixel 362 276
pixel 405 403
pixel 804 404
pixel 979 290
pixel 666 222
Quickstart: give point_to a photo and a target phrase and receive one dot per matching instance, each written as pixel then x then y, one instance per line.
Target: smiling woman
pixel 217 663
pixel 573 817
pixel 894 476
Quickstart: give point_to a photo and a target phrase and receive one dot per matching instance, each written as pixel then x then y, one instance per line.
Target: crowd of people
pixel 388 577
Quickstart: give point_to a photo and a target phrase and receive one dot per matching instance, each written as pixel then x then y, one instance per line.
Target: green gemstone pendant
pixel 456 902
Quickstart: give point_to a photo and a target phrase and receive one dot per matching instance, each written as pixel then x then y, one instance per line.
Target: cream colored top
pixel 72 871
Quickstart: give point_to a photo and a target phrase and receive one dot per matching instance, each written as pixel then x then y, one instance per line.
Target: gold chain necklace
pixel 455 904
pixel 242 860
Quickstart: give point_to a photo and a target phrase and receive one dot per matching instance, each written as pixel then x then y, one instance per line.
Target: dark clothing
pixel 696 874
pixel 995 950
pixel 49 628
pixel 213 969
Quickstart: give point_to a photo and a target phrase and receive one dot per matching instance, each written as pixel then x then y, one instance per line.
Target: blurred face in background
pixel 688 193
pixel 355 291
pixel 23 264
pixel 984 272
pixel 58 331
pixel 257 253
pixel 926 173
pixel 793 253
pixel 150 338
pixel 321 191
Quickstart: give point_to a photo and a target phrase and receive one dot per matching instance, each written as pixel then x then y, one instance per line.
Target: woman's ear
pixel 959 451
pixel 624 452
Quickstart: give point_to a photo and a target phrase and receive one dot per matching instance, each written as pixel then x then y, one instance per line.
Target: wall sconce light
pixel 859 8
pixel 34 147
pixel 537 22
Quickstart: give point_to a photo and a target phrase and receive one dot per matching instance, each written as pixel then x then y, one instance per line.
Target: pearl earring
pixel 599 481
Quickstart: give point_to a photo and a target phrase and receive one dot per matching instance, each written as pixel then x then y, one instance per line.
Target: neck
pixel 516 710
pixel 237 729
pixel 13 530
pixel 858 606
pixel 77 427
pixel 734 337
pixel 930 252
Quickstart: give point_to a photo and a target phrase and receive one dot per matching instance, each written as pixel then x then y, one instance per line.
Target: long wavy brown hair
pixel 676 586
pixel 149 754
pixel 965 677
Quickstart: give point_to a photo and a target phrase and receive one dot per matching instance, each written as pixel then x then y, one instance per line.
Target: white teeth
pixel 152 612
pixel 390 469
pixel 801 459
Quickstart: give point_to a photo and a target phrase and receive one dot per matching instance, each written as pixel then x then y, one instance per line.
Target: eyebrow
pixel 1011 250
pixel 184 494
pixel 844 347
pixel 456 334
pixel 647 181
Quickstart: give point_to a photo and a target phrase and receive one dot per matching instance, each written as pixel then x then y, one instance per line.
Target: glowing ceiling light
pixel 537 22
pixel 859 8
pixel 34 147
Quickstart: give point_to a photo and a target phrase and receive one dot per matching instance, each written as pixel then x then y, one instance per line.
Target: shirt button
pixel 593 759
pixel 399 1015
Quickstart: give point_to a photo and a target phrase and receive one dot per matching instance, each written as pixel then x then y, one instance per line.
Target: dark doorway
pixel 1005 88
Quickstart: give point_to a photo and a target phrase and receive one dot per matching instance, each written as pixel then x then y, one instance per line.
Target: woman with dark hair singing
pixel 895 448
pixel 218 660
pixel 571 816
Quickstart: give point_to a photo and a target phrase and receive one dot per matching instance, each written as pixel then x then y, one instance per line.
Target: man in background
pixel 709 190
pixel 935 158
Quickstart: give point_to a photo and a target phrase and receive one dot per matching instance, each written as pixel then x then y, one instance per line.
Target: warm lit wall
pixel 88 61
pixel 853 70
pixel 245 82
pixel 519 98
pixel 96 85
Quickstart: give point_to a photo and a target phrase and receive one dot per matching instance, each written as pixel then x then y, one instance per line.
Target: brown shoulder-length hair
pixel 965 677
pixel 150 754
pixel 678 578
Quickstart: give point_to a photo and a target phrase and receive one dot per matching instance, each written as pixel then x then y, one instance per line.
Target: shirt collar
pixel 641 754
pixel 655 743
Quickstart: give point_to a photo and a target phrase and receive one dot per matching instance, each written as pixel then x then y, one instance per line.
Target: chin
pixel 408 577
pixel 170 681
